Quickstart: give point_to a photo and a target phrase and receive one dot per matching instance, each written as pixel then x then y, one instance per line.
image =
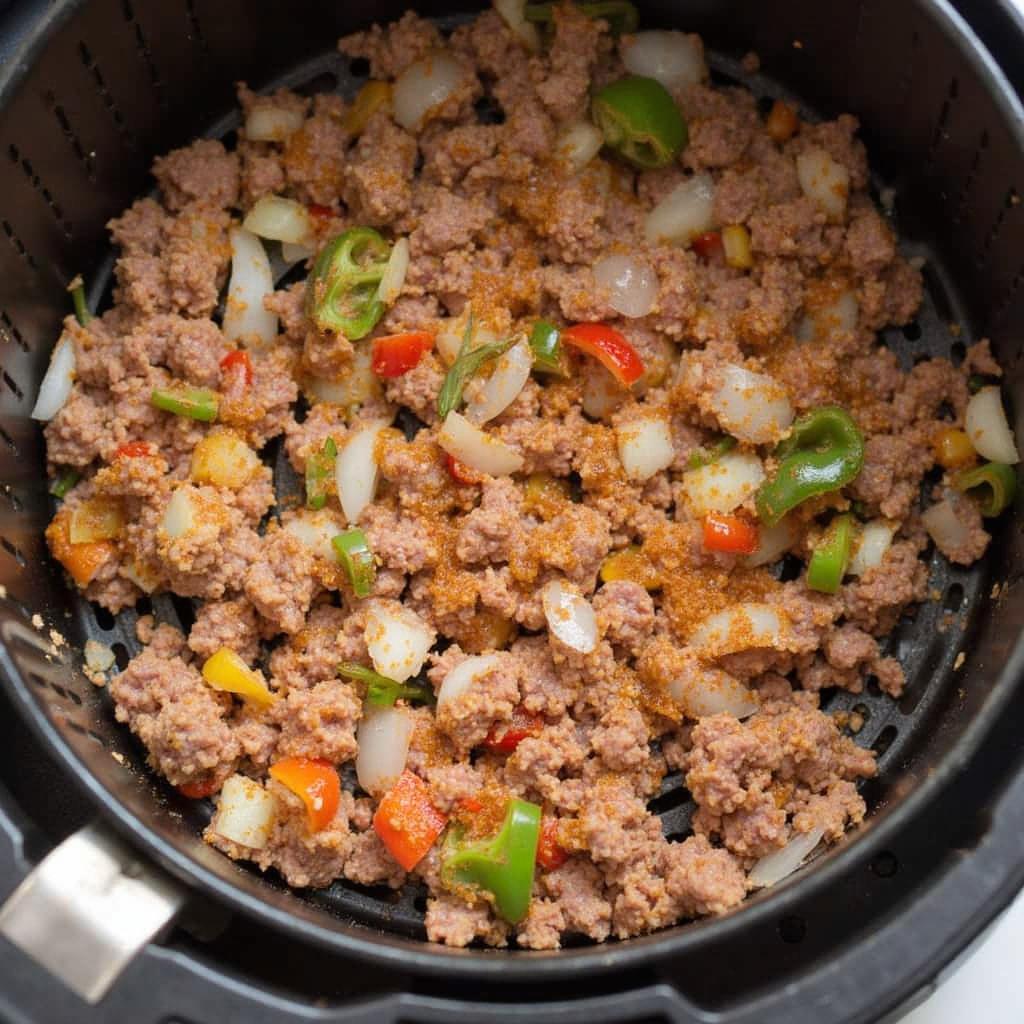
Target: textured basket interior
pixel 120 81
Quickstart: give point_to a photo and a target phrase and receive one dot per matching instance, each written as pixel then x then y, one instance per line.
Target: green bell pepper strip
pixel 977 381
pixel 381 691
pixel 831 557
pixel 999 480
pixel 341 293
pixel 706 456
pixel 823 452
pixel 319 469
pixel 355 556
pixel 621 15
pixel 640 121
pixel 195 403
pixel 65 482
pixel 503 864
pixel 468 361
pixel 82 313
pixel 546 345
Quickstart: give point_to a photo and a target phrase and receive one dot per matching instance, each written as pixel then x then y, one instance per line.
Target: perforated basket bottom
pixel 926 641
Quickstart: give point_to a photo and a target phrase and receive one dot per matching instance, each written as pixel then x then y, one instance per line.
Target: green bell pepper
pixel 341 293
pixel 381 691
pixel 503 864
pixel 65 482
pixel 640 121
pixel 823 452
pixel 546 344
pixel 831 557
pixel 319 470
pixel 355 556
pixel 998 478
pixel 77 289
pixel 705 456
pixel 195 403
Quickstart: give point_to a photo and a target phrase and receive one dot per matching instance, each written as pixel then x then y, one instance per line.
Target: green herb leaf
pixel 468 361
pixel 381 691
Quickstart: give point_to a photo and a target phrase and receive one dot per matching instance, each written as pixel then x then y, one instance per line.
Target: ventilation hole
pixel 10 332
pixel 488 111
pixel 142 46
pixel 957 353
pixel 8 440
pixel 1012 200
pixel 791 569
pixel 104 619
pixel 885 865
pixel 186 611
pixel 38 680
pixel 765 104
pixel 912 331
pixel 101 87
pixel 420 903
pixel 359 67
pixel 96 737
pixel 669 801
pixel 12 384
pixel 945 412
pixel 14 552
pixel 19 245
pixel 954 597
pixel 144 606
pixel 792 929
pixel 964 201
pixel 121 655
pixel 13 500
pixel 196 26
pixel 84 157
pixel 884 740
pixel 73 697
pixel 59 690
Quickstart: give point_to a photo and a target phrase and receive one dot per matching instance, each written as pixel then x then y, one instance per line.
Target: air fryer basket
pixel 98 88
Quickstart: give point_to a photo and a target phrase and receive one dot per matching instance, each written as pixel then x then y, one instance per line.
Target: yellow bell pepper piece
pixel 372 97
pixel 630 564
pixel 225 670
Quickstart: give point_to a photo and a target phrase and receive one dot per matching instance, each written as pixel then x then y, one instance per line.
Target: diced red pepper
pixel 550 854
pixel 709 247
pixel 460 472
pixel 134 450
pixel 505 739
pixel 730 533
pixel 238 361
pixel 396 354
pixel 407 821
pixel 198 790
pixel 470 804
pixel 316 782
pixel 609 347
pixel 319 211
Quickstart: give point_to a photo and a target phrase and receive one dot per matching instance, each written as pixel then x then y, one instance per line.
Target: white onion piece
pixel 579 144
pixel 631 284
pixel 838 317
pixel 392 282
pixel 602 393
pixel 782 863
pixel 358 385
pixel 713 692
pixel 471 446
pixel 772 542
pixel 180 513
pixel 279 219
pixel 687 211
pixel 461 677
pixel 56 385
pixel 272 124
pixel 511 12
pixel 570 616
pixel 645 447
pixel 945 527
pixel 751 406
pixel 874 541
pixel 295 252
pixel 398 641
pixel 988 429
pixel 316 530
pixel 824 180
pixel 355 470
pixel 384 735
pixel 448 339
pixel 723 485
pixel 251 280
pixel 245 813
pixel 141 575
pixel 743 627
pixel 673 58
pixel 422 87
pixel 511 372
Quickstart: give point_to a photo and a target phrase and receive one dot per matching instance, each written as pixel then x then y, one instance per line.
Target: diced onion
pixel 272 124
pixel 295 252
pixel 723 485
pixel 687 211
pixel 673 58
pixel 384 735
pixel 181 512
pixel 579 143
pixel 511 372
pixel 874 541
pixel 837 317
pixel 355 470
pixel 56 385
pixel 511 12
pixel 945 527
pixel 251 281
pixel 570 616
pixel 824 180
pixel 316 530
pixel 988 429
pixel 423 86
pixel 223 459
pixel 713 692
pixel 359 383
pixel 245 813
pixel 772 542
pixel 645 447
pixel 142 576
pixel 459 678
pixel 782 863
pixel 631 284
pixel 98 657
pixel 96 519
pixel 477 450
pixel 391 283
pixel 279 219
pixel 602 393
pixel 743 627
pixel 751 406
pixel 398 641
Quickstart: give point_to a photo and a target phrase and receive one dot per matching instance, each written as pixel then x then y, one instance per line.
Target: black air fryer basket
pixel 143 921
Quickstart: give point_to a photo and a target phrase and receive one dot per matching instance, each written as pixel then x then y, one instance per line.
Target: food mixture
pixel 601 473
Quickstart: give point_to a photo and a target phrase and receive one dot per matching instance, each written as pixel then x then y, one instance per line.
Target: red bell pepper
pixel 134 450
pixel 198 790
pixel 609 347
pixel 709 247
pixel 729 533
pixel 550 854
pixel 238 361
pixel 407 821
pixel 460 472
pixel 396 354
pixel 319 211
pixel 316 782
pixel 505 739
